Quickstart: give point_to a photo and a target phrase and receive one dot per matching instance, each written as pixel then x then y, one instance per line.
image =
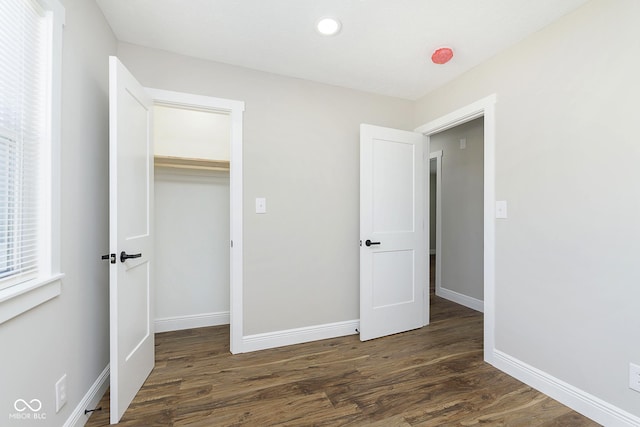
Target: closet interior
pixel 192 260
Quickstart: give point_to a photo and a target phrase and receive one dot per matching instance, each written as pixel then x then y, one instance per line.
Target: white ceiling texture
pixel 384 46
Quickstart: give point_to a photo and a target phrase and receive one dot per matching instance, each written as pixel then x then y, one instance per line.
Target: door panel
pixel 393 269
pixel 133 171
pixel 130 231
pixel 392 278
pixel 393 186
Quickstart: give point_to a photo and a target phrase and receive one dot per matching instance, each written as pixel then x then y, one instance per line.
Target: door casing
pixel 484 107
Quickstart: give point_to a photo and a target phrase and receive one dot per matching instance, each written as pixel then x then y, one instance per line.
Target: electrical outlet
pixel 634 377
pixel 61 393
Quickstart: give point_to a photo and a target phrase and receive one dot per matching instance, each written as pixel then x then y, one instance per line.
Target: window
pixel 30 57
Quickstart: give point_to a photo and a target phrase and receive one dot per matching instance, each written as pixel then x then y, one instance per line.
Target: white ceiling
pixel 384 46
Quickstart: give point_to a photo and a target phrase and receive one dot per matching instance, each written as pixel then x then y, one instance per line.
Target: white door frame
pixel 484 107
pixel 437 156
pixel 236 111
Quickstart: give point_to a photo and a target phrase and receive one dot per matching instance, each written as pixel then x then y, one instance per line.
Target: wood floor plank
pixel 433 376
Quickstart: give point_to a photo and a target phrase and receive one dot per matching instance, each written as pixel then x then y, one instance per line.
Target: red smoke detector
pixel 442 55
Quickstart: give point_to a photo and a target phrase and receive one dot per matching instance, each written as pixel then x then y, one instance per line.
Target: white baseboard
pixel 178 323
pixel 588 405
pixel 299 335
pixel 90 400
pixel 458 298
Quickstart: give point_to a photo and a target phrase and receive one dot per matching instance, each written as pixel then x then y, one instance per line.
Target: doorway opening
pixel 191 153
pixel 457 154
pixel 482 108
pixel 230 114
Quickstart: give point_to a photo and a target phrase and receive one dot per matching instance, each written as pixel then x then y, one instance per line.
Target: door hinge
pixel 232 243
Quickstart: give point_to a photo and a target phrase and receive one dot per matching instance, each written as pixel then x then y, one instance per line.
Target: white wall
pixel 192 245
pixel 462 208
pixel 70 334
pixel 301 152
pixel 567 156
pixel 181 132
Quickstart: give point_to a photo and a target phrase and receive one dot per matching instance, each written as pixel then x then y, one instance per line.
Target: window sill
pixel 23 297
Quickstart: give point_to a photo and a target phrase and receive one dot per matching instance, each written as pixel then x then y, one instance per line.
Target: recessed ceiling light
pixel 328 26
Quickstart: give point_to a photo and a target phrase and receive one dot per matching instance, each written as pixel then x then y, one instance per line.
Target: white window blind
pixel 24 137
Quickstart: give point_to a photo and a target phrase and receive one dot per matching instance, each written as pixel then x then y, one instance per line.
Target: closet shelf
pixel 189 163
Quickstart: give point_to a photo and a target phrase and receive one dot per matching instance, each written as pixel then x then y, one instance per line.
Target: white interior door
pixel 130 237
pixel 393 264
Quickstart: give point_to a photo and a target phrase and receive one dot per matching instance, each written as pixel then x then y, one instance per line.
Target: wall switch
pixel 61 392
pixel 501 208
pixel 261 205
pixel 634 377
pixel 463 143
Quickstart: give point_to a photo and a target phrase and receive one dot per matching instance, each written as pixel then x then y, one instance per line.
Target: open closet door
pixel 393 264
pixel 130 237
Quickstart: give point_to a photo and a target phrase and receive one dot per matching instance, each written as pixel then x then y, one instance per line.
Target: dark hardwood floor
pixel 434 376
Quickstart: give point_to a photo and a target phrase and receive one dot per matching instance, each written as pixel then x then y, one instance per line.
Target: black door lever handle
pixel 125 256
pixel 369 242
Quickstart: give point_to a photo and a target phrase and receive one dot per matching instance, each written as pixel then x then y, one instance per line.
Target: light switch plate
pixel 634 377
pixel 501 209
pixel 61 392
pixel 261 205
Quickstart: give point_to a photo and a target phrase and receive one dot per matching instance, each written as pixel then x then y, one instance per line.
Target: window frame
pixel 21 297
